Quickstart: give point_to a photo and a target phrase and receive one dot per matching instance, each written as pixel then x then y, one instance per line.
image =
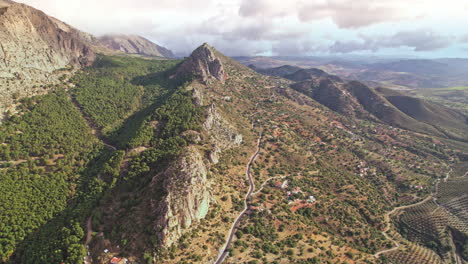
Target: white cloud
pixel 417 40
pixel 246 27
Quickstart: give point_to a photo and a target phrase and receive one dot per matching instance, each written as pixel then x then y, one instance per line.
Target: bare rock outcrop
pixel 204 65
pixel 186 186
pixel 34 42
pixel 133 44
pixel 221 134
pixel 187 197
pixel 34 48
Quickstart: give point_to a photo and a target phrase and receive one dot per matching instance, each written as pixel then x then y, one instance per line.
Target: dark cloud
pixel 417 40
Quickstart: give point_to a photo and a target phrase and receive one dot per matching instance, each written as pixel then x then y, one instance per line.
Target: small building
pixel 296 190
pixel 281 185
pixel 115 260
pixel 285 184
pixel 311 199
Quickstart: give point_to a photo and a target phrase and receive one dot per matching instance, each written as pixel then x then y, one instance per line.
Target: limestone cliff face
pixel 222 134
pixel 186 186
pixel 187 196
pixel 33 42
pixel 133 44
pixel 204 65
pixel 33 48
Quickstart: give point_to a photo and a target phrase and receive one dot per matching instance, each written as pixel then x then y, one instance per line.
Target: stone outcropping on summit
pixel 203 64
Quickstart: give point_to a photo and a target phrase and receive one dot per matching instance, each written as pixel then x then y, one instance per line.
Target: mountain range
pixel 394 73
pixel 112 151
pixel 356 99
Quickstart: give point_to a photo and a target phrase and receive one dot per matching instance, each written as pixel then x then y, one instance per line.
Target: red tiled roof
pixel 115 260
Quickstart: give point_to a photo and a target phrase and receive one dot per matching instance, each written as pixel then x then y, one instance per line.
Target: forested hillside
pixel 54 169
pixel 146 160
pixel 43 151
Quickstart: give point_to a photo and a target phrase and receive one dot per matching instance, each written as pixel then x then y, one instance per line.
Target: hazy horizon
pixel 420 29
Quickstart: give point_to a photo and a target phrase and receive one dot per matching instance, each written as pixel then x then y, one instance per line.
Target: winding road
pixel 263 184
pixel 224 251
pixel 387 216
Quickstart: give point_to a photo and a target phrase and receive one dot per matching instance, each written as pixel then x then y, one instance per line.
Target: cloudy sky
pixel 423 28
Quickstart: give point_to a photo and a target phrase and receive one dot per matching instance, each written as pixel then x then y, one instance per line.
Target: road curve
pixel 265 182
pixel 224 251
pixel 387 227
pixel 387 216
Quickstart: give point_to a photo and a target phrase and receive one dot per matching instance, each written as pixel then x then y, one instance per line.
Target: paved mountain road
pixel 224 251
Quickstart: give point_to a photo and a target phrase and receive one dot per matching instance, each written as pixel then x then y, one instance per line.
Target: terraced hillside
pixel 441 223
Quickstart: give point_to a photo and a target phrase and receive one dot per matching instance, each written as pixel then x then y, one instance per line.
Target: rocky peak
pixel 203 64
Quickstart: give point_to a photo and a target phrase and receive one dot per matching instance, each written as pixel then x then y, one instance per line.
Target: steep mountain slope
pixel 280 71
pixel 398 73
pixel 164 177
pixel 133 44
pixel 358 100
pixel 385 111
pixel 450 121
pixel 196 197
pixel 307 74
pixel 203 65
pixel 332 95
pixel 34 51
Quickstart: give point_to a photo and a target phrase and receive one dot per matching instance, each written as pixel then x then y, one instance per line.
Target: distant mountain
pixel 397 73
pixel 306 74
pixel 357 100
pixel 280 71
pixel 451 122
pixel 133 44
pixel 413 66
pixel 294 73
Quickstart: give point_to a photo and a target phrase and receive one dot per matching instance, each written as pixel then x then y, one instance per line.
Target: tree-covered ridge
pixel 115 87
pixel 53 170
pixel 177 115
pixel 43 150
